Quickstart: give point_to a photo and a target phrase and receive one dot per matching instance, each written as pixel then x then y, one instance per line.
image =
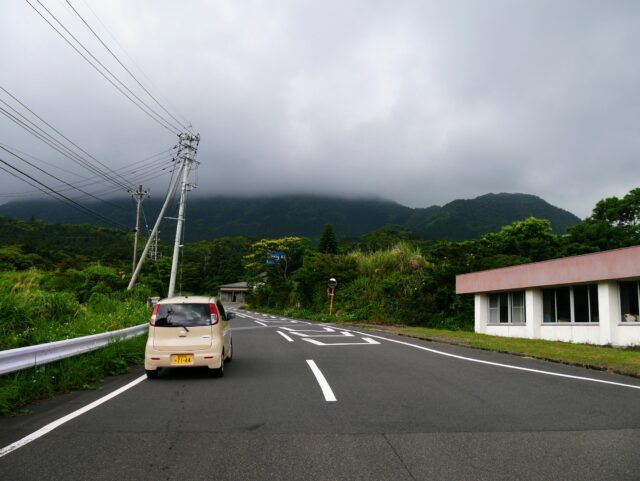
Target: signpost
pixel 332 286
pixel 274 258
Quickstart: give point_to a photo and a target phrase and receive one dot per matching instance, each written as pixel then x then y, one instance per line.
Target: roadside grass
pixel 75 373
pixel 605 358
pixel 32 315
pixel 615 359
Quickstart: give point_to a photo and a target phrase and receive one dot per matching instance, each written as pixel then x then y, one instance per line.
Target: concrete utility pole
pixel 188 149
pixel 154 248
pixel 138 195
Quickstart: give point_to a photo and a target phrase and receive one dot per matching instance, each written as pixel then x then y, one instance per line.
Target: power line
pixel 60 180
pixel 85 163
pixel 132 60
pixel 52 193
pixel 65 151
pixel 42 137
pixel 149 111
pixel 88 181
pixel 44 162
pixel 123 65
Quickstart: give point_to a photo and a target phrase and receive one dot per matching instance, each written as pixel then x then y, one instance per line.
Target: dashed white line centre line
pixel 324 385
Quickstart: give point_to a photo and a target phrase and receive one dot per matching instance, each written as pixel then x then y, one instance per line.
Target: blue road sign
pixel 274 258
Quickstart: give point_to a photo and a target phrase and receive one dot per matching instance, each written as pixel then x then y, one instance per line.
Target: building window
pixel 577 304
pixel 629 301
pixel 507 308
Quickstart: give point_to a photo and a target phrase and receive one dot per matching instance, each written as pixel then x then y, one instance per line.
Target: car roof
pixel 189 300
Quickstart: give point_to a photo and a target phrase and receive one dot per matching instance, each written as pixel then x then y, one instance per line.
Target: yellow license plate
pixel 181 359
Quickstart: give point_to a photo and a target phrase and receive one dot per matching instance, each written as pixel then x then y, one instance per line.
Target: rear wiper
pixel 180 325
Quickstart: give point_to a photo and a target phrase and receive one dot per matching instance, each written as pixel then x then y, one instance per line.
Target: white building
pixel 592 298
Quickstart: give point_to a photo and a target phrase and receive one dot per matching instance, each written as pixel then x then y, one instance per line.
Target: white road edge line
pixel 55 424
pixel 324 385
pixel 285 336
pixel 508 366
pixel 490 363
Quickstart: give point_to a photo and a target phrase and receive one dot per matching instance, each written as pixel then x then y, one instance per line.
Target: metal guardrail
pixel 13 360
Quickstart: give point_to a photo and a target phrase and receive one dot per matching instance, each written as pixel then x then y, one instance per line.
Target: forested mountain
pixel 465 219
pixel 57 241
pixel 304 215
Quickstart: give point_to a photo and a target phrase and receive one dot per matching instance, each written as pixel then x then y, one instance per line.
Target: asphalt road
pixel 403 410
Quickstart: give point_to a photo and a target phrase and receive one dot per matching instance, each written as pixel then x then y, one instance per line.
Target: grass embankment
pixel 32 312
pixel 35 310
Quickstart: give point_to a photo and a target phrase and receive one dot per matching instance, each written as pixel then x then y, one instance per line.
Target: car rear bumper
pixel 155 359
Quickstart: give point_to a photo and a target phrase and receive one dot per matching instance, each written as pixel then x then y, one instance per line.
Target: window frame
pixel 510 305
pixel 572 321
pixel 622 320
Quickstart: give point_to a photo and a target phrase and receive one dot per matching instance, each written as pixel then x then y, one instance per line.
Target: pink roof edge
pixel 623 263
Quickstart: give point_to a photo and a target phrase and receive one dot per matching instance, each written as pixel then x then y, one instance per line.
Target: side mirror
pixel 231 315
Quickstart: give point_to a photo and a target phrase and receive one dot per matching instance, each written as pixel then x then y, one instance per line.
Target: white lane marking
pixel 264 320
pixel 367 342
pixel 285 336
pixel 324 385
pixel 295 329
pixel 261 323
pixel 304 334
pixel 479 361
pixel 508 366
pixel 55 424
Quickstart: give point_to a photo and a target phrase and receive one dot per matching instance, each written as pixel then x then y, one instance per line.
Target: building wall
pixel 610 329
pixel 230 295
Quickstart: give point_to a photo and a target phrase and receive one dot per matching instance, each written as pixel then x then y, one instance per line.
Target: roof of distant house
pixel 234 285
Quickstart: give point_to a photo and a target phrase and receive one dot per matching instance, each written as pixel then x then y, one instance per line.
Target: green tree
pixel 328 243
pixel 613 223
pixel 277 288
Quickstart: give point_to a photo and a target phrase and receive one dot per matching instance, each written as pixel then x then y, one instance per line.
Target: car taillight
pixel 214 314
pixel 153 314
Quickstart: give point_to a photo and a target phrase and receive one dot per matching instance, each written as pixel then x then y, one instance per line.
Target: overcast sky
pixel 419 102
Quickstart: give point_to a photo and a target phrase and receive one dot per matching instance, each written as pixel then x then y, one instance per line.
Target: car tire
pixel 230 358
pixel 219 372
pixel 152 374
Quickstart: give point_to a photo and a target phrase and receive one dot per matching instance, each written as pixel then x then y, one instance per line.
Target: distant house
pixel 235 292
pixel 591 298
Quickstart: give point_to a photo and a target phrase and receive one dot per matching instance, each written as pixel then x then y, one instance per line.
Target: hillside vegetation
pixel 39 307
pixel 304 216
pixel 413 282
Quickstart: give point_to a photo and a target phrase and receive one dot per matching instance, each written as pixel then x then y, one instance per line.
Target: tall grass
pixel 31 315
pixel 38 307
pixel 400 258
pixel 387 282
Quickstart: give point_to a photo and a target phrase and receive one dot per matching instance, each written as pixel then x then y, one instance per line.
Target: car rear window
pixel 175 315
